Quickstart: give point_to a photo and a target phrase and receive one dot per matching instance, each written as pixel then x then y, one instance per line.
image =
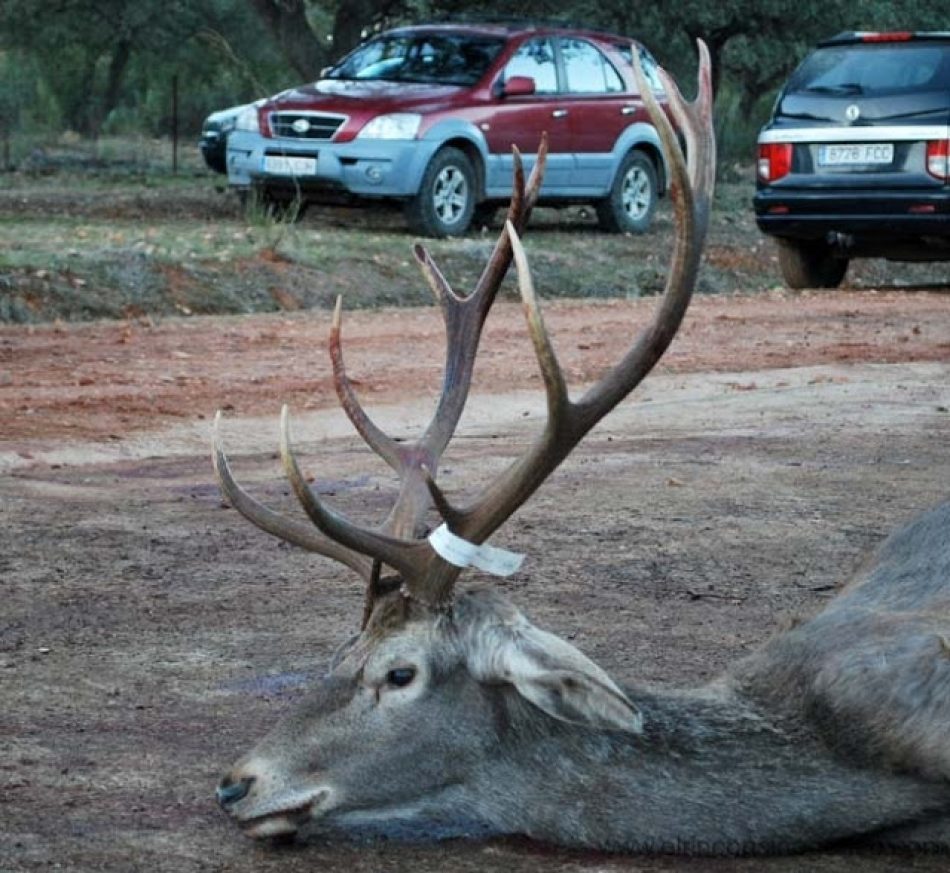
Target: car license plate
pixel 855 154
pixel 284 165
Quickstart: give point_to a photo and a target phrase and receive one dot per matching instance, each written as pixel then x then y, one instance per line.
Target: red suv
pixel 427 115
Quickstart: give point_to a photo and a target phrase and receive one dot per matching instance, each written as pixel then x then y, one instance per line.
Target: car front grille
pixel 305 125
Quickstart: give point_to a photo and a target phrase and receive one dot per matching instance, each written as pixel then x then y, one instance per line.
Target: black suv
pixel 855 161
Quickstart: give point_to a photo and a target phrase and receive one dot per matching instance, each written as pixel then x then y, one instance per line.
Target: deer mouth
pixel 284 821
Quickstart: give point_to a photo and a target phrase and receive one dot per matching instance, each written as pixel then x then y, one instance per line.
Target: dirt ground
pixel 148 634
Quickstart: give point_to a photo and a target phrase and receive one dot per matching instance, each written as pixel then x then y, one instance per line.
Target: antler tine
pixel 692 194
pixel 524 199
pixel 437 282
pixel 465 316
pixel 275 524
pixel 700 151
pixel 384 446
pixel 407 557
pixel 569 421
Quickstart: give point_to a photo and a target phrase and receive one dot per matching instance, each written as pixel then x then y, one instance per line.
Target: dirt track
pixel 149 634
pixel 107 380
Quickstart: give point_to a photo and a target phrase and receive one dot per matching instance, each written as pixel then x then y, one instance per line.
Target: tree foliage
pixel 97 65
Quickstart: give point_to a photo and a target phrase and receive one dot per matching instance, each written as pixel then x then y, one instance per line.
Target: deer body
pixel 451 713
pixel 837 728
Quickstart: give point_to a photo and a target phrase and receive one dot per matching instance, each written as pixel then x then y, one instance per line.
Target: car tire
pixel 630 206
pixel 810 264
pixel 446 200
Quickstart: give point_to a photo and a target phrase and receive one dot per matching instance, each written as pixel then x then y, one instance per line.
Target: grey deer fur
pixel 453 714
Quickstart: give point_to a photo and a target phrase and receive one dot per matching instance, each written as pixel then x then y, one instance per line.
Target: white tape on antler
pixel 462 553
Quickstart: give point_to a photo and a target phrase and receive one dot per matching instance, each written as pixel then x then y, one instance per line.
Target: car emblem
pixel 301 125
pixel 852 113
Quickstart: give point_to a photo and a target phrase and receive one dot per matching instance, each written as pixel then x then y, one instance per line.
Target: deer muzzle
pixel 268 812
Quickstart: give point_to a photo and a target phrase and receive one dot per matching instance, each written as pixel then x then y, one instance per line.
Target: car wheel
pixel 446 199
pixel 632 200
pixel 810 264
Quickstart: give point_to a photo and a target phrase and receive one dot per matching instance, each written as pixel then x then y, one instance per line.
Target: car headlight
pixel 399 125
pixel 247 120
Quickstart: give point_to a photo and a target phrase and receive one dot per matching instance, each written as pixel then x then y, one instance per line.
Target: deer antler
pixel 397 542
pixel 568 421
pixel 394 542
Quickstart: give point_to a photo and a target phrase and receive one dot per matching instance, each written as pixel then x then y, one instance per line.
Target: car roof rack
pixel 513 22
pixel 849 37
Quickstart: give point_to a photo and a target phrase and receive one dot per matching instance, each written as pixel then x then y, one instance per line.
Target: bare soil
pixel 148 634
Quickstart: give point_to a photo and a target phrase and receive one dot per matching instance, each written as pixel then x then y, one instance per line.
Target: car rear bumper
pixel 370 168
pixel 867 214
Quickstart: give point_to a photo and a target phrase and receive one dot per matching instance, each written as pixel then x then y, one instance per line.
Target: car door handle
pixel 629 110
pixel 559 113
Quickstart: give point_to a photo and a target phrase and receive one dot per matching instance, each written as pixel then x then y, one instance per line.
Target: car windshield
pixel 873 69
pixel 441 58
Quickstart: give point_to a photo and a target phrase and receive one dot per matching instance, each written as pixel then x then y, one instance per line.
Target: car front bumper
pixel 360 168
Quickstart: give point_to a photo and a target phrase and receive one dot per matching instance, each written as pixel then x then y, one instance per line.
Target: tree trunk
pixel 79 114
pixel 118 63
pixel 353 17
pixel 286 20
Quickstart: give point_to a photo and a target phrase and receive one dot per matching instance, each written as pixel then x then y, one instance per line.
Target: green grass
pixel 59 242
pixel 108 160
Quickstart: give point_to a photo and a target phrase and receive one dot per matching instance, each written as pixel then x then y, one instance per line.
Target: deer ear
pixel 564 683
pixel 549 672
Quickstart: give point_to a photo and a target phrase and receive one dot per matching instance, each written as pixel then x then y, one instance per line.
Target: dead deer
pixel 451 713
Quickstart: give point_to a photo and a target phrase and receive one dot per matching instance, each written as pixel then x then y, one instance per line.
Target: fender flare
pixel 640 135
pixel 455 133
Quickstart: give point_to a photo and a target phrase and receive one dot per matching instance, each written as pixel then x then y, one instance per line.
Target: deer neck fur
pixel 710 774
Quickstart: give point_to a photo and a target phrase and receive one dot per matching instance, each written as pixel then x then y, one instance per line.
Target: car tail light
pixel 938 159
pixel 775 160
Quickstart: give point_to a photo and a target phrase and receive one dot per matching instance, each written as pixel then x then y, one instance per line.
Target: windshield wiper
pixel 803 116
pixel 843 88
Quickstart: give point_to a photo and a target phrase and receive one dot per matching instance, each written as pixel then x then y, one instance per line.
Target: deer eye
pixel 400 677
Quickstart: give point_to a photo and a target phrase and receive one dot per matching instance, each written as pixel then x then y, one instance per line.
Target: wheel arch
pixel 471 151
pixel 644 138
pixel 468 139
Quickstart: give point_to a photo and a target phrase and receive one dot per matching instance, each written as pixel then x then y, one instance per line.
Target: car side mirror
pixel 519 86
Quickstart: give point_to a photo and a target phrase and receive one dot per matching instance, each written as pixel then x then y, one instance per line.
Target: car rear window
pixel 446 59
pixel 873 70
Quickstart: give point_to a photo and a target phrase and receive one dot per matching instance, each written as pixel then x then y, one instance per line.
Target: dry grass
pixel 96 236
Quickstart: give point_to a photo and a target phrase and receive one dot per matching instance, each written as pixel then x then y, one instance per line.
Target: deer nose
pixel 229 791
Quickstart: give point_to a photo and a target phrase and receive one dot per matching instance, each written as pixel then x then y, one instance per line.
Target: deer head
pixel 430 712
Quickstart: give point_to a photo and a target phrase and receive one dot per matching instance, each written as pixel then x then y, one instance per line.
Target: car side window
pixel 647 62
pixel 535 59
pixel 650 70
pixel 586 70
